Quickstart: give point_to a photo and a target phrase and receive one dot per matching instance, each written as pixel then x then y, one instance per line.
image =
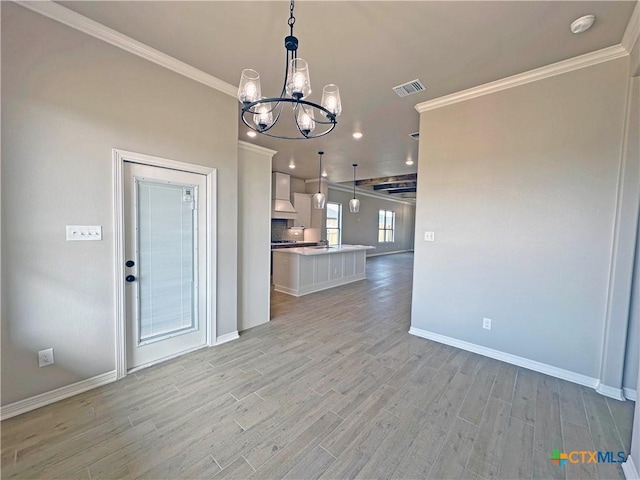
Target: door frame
pixel 119 157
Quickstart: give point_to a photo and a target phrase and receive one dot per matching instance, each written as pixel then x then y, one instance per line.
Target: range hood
pixel 281 206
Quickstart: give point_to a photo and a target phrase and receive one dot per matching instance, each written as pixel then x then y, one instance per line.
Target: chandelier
pixel 262 114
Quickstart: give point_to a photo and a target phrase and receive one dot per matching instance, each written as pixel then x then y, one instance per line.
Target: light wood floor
pixel 333 387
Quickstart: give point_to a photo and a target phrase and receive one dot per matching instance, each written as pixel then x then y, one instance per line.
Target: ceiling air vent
pixel 409 88
pixel 415 135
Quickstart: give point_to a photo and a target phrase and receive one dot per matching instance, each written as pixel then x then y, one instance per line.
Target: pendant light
pixel 319 200
pixel 354 203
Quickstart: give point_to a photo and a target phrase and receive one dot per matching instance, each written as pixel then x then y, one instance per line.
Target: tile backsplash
pixel 280 231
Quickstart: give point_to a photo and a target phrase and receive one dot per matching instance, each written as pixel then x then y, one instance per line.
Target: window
pixel 334 223
pixel 386 224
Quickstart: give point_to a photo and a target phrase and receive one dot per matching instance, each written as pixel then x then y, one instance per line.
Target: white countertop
pixel 324 250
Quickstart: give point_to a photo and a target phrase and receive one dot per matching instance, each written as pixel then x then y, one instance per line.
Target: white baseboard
pixel 509 358
pixel 388 253
pixel 630 394
pixel 227 337
pixel 630 470
pixel 612 392
pixel 28 404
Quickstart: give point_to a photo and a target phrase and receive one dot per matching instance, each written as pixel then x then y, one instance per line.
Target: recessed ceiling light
pixel 292 165
pixel 582 24
pixel 251 134
pixel 409 161
pixel 324 173
pixel 357 135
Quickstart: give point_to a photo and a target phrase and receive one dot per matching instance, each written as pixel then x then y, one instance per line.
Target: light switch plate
pixel 83 232
pixel 429 236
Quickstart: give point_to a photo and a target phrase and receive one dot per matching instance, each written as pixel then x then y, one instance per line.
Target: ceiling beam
pixel 402 190
pixel 388 186
pixel 411 177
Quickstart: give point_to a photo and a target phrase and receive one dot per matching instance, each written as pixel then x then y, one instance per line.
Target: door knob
pixel 130 278
pixel 130 263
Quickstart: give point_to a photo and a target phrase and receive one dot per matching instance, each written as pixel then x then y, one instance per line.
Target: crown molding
pixel 83 24
pixel 367 193
pixel 250 147
pixel 632 31
pixel 565 66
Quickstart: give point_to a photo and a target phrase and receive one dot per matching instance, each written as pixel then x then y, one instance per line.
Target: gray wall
pixel 362 228
pixel 254 235
pixel 632 360
pixel 67 100
pixel 520 188
pixel 634 327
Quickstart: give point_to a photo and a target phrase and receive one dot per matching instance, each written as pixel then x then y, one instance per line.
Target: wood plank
pixel 548 429
pixel 237 470
pixel 183 466
pixel 603 430
pixel 352 459
pixel 486 454
pixel 524 395
pixel 387 457
pixel 422 453
pixel 312 466
pixel 578 438
pixel 452 460
pixel 601 423
pixel 358 421
pixel 571 405
pixel 622 413
pixel 474 404
pixel 288 457
pixel 517 458
pixel 442 411
pixel 505 381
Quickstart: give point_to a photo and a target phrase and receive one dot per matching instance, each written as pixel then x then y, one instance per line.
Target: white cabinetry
pixel 313 270
pixel 302 204
pixel 280 186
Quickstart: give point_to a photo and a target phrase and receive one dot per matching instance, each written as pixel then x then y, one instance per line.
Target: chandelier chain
pixel 292 19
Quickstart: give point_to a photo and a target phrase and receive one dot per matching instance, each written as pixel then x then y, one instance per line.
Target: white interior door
pixel 165 263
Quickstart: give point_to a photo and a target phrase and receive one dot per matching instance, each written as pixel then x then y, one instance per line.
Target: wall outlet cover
pixel 486 323
pixel 45 357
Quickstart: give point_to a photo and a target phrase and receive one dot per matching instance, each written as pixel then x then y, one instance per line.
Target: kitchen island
pixel 304 270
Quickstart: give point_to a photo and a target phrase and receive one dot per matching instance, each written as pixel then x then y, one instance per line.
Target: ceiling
pixel 366 48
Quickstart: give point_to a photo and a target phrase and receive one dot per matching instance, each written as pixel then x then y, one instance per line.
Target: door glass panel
pixel 166 252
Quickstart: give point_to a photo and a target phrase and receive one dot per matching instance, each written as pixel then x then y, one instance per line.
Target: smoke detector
pixel 583 23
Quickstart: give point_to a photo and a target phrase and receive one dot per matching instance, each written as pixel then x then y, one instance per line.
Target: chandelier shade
pixel 319 199
pixel 266 115
pixel 354 203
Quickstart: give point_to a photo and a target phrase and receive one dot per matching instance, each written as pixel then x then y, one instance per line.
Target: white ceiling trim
pixel 565 66
pixel 342 188
pixel 632 31
pixel 79 22
pixel 250 147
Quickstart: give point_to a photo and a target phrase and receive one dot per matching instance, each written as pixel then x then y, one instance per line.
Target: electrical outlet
pixel 45 357
pixel 486 323
pixel 429 236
